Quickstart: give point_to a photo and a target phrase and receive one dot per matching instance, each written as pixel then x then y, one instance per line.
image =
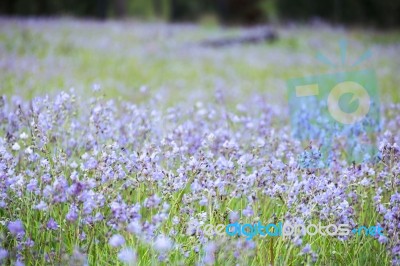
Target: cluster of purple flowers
pixel 139 175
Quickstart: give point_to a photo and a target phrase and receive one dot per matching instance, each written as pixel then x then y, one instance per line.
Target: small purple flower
pixel 210 249
pixel 134 227
pixel 19 263
pixel 128 256
pixel 88 205
pixel 382 239
pixel 52 225
pixel 248 211
pixel 72 214
pixel 395 198
pixel 116 240
pixel 29 243
pixel 234 216
pixel 42 206
pixel 82 236
pixel 91 163
pixel 388 216
pixel 3 254
pixel 16 228
pixel 298 241
pixel 32 185
pixel 203 201
pixel 152 201
pixel 306 249
pixel 75 189
pixel 163 244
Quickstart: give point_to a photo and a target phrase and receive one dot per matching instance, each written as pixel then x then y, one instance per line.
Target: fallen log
pixel 260 36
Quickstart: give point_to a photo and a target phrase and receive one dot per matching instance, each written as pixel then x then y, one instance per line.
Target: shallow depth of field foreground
pixel 120 141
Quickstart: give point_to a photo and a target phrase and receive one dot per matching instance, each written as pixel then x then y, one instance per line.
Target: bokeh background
pixel 139 49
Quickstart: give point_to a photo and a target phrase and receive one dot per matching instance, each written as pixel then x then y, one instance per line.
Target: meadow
pixel 120 139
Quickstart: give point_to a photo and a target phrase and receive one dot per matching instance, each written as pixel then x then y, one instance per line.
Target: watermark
pixel 249 231
pixel 326 108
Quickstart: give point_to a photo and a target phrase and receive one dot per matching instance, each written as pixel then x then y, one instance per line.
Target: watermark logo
pixel 327 108
pixel 249 231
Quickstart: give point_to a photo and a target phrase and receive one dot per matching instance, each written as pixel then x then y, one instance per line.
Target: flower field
pixel 119 141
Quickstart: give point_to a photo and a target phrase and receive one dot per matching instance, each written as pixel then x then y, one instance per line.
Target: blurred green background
pixel 132 50
pixel 139 61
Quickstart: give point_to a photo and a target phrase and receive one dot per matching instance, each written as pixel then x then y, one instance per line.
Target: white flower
pixel 260 142
pixel 73 165
pixel 28 150
pixel 211 137
pixel 16 147
pixel 365 182
pixel 96 87
pixel 23 135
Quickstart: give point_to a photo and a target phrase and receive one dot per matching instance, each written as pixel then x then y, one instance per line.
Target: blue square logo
pixel 338 113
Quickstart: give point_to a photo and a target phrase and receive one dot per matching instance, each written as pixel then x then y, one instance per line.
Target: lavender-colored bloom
pixel 234 217
pixel 82 236
pixel 75 189
pixel 42 206
pixel 395 198
pixel 248 211
pixel 382 239
pixel 298 241
pixel 19 263
pixel 29 243
pixel 127 256
pixel 116 240
pixel 16 228
pixel 32 185
pixel 163 244
pixel 52 224
pixel 91 163
pixel 306 249
pixel 3 254
pixel 88 205
pixel 72 214
pixel 209 256
pixel 203 201
pixel 152 201
pixel 388 215
pixel 46 178
pixel 78 258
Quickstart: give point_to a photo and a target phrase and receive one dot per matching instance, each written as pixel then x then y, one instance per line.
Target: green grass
pixel 45 56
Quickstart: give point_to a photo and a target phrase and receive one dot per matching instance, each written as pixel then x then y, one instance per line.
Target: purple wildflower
pixel 128 256
pixel 116 240
pixel 52 224
pixel 306 249
pixel 3 254
pixel 72 214
pixel 162 244
pixel 16 228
